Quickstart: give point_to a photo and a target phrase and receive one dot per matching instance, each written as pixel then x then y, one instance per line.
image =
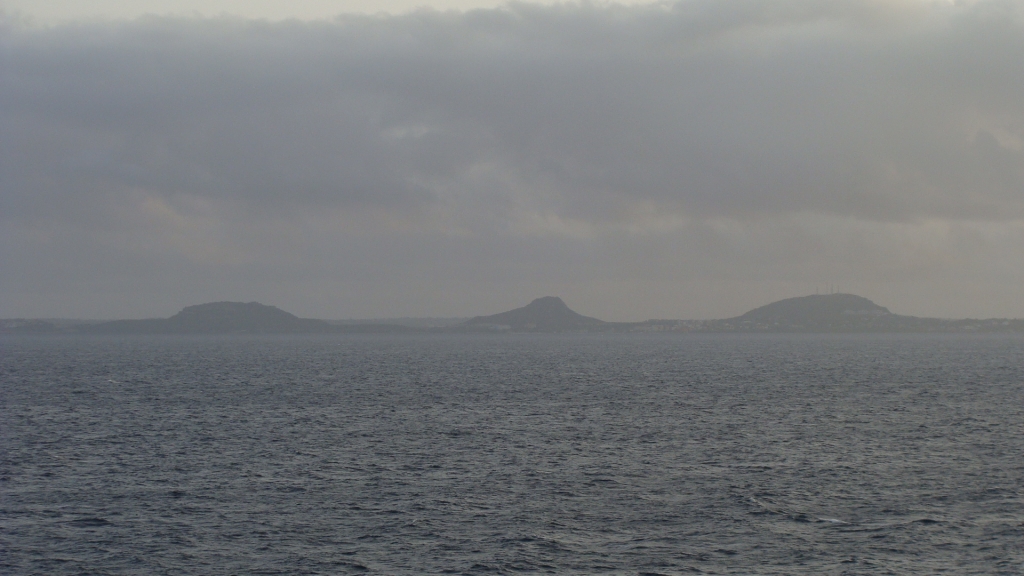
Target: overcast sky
pixel 48 12
pixel 685 159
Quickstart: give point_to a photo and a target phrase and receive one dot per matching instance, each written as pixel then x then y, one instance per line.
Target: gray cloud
pixel 686 159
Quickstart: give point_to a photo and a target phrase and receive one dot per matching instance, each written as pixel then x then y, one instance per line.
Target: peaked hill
pixel 547 314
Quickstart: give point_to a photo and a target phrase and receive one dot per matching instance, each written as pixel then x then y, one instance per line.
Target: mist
pixel 676 160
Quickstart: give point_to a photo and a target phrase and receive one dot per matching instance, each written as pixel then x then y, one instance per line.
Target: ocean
pixel 506 454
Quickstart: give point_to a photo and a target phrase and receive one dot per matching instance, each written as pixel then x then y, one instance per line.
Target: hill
pixel 817 311
pixel 217 318
pixel 547 314
pixel 810 314
pixel 250 317
pixel 847 313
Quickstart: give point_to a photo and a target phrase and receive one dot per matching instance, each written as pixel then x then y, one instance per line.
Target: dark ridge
pixel 547 314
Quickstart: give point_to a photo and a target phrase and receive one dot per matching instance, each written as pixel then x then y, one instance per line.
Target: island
pixel 546 314
pixel 233 318
pixel 826 313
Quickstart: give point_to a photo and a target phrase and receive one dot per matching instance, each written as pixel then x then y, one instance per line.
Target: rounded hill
pixel 813 311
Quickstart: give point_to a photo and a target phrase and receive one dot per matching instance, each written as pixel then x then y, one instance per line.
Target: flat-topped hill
pixel 219 318
pixel 250 317
pixel 547 314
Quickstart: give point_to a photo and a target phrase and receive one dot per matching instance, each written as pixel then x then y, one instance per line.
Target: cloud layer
pixel 687 159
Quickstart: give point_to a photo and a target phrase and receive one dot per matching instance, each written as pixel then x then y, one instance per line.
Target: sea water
pixel 559 454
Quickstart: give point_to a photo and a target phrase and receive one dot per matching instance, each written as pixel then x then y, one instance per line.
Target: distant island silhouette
pixel 811 310
pixel 827 312
pixel 232 318
pixel 547 314
pixel 814 314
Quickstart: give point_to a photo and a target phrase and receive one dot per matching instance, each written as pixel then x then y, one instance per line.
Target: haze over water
pixel 670 159
pixel 569 454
